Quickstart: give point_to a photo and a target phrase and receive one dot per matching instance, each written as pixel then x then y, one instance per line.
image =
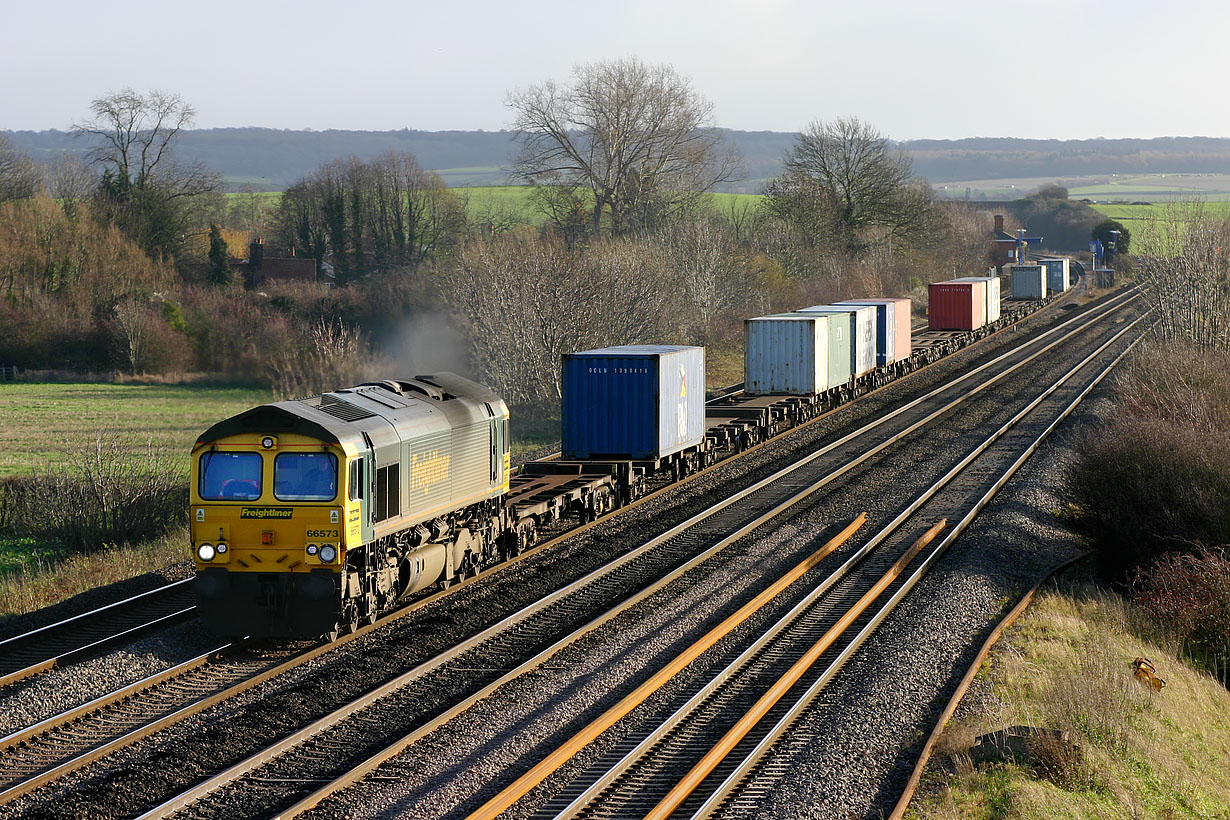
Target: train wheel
pixel 331 635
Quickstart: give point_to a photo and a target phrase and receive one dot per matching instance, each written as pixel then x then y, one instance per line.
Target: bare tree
pixel 636 140
pixel 708 271
pixel 1184 265
pixel 70 178
pixel 148 190
pixel 526 300
pixel 19 175
pixel 372 217
pixel 842 178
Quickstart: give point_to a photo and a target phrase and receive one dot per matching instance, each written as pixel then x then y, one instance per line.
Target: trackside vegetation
pixel 1130 751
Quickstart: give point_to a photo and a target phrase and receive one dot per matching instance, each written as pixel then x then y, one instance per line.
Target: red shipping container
pixel 957 305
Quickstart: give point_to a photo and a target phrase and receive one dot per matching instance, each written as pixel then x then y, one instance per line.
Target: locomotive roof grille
pixel 339 409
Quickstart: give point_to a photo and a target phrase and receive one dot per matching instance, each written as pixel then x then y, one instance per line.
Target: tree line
pixel 617 157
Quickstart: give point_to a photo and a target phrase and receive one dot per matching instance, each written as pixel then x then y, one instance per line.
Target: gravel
pixel 871 720
pixel 34 699
pixel 877 713
pixel 509 586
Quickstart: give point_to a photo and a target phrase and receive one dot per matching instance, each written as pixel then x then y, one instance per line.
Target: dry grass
pixel 1066 665
pixel 45 584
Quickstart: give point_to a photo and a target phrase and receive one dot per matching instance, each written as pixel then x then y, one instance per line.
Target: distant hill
pixel 272 159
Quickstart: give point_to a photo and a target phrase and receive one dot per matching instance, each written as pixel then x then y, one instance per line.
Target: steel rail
pixel 70 656
pixel 717 754
pixel 239 770
pixel 692 780
pixel 24 736
pixel 933 739
pixel 132 737
pixel 529 779
pixel 708 762
pixel 251 763
pixel 732 781
pixel 52 646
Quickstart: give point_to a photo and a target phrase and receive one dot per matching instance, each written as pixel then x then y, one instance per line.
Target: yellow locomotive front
pixel 269 518
pixel 313 516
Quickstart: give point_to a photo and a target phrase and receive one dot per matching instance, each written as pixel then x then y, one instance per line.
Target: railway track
pixel 724 732
pixel 294 778
pixel 79 745
pixel 91 633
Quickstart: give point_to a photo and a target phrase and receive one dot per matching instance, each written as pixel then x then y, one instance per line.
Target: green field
pixel 1110 188
pixel 47 424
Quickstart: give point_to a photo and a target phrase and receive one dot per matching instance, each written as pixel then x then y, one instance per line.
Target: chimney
pixel 999 222
pixel 256 253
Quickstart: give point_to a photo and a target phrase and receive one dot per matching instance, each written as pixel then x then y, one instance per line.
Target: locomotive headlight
pixel 328 554
pixel 206 552
pixel 312 549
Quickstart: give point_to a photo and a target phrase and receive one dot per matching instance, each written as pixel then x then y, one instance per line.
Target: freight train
pixel 313 516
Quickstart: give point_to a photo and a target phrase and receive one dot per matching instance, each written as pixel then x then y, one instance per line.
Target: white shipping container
pixel 862 334
pixel 787 353
pixel 993 294
pixel 1028 281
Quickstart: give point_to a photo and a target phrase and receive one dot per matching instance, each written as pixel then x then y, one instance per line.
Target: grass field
pixel 1067 664
pixel 47 423
pixel 1110 188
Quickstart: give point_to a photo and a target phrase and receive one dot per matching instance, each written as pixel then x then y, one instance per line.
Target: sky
pixel 942 69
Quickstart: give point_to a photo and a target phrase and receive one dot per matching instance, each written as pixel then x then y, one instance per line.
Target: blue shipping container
pixel 633 401
pixel 886 328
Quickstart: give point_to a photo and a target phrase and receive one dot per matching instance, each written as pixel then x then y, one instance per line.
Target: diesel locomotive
pixel 314 515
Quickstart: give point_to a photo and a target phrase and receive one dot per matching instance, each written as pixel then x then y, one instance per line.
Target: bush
pixel 1146 486
pixel 1158 477
pixel 112 494
pixel 1190 593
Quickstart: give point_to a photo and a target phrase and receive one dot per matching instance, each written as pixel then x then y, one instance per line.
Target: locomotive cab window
pixel 305 477
pixel 356 479
pixel 230 476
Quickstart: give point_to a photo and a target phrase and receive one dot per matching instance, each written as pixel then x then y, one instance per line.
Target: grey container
pixel 787 353
pixel 640 402
pixel 1028 282
pixel 994 294
pixel 862 324
pixel 1057 272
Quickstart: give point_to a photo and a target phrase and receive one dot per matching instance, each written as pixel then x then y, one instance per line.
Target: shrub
pixel 1158 477
pixel 334 356
pixel 1190 593
pixel 1147 485
pixel 113 493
